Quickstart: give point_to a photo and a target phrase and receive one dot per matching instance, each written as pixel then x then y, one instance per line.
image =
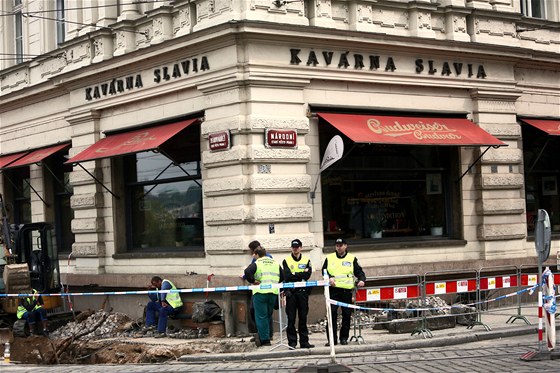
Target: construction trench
pixel 102 337
pixel 105 337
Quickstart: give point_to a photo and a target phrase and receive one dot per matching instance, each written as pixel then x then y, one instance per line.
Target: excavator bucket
pixel 16 278
pixel 6 336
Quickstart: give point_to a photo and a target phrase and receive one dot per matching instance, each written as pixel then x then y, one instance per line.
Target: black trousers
pixel 297 304
pixel 345 296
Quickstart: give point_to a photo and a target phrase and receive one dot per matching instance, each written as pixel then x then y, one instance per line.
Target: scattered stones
pixel 115 324
pixel 465 315
pixel 437 312
pixel 100 337
pixel 118 325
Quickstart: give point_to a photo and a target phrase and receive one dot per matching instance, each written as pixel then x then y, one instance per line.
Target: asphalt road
pixel 497 355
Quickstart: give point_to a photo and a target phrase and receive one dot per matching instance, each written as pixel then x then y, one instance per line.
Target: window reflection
pixel 164 203
pixel 388 191
pixel 151 165
pixel 540 153
pixel 19 180
pixel 64 214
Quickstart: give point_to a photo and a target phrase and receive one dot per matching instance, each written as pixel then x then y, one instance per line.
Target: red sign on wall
pixel 219 141
pixel 280 138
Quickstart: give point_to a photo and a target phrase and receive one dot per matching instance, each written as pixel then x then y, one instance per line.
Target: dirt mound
pixel 31 350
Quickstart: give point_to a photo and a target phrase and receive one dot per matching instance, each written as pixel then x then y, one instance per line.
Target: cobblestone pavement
pixel 501 355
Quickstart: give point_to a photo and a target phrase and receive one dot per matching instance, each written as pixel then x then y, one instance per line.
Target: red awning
pixel 379 129
pixel 38 155
pixel 5 160
pixel 131 142
pixel 552 127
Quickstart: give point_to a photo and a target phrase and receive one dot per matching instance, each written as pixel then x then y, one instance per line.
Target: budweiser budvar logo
pixel 419 129
pixel 133 141
pixel 140 138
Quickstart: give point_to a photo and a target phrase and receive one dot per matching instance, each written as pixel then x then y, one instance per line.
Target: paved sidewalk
pixel 382 340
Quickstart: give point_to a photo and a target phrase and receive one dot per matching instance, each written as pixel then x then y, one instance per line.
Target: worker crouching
pixel 31 310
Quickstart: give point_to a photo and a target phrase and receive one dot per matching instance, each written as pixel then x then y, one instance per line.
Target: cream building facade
pixel 237 75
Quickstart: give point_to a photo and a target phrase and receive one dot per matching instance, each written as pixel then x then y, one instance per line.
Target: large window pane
pixel 21 191
pixel 164 203
pixel 542 172
pixel 60 22
pixel 64 214
pixel 388 191
pixel 533 8
pixel 18 37
pixel 154 166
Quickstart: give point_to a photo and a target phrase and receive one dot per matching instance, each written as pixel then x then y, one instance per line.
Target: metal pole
pixel 280 325
pixel 329 316
pixel 550 317
pixel 540 305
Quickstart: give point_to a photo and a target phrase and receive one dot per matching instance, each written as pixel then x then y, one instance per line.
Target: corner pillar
pixel 87 202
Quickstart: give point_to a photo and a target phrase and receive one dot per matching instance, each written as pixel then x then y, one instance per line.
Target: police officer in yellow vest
pixel 31 309
pixel 263 271
pixel 297 267
pixel 342 267
pixel 164 304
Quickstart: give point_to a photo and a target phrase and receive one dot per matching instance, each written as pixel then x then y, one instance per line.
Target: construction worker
pixel 164 304
pixel 342 267
pixel 253 245
pixel 297 267
pixel 264 270
pixel 31 309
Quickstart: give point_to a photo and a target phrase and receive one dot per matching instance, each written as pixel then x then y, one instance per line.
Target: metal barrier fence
pixel 387 293
pixel 381 289
pixel 412 287
pixel 496 282
pixel 526 276
pixel 462 284
pixel 486 290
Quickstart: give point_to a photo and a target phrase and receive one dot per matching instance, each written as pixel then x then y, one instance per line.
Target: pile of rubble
pixel 359 317
pixel 437 313
pixel 171 333
pixel 101 337
pixel 101 324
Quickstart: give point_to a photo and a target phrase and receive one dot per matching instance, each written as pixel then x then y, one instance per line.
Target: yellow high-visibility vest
pixel 173 299
pixel 21 309
pixel 342 269
pixel 268 272
pixel 297 266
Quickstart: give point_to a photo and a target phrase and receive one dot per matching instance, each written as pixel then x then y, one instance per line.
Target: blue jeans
pixel 40 314
pixel 163 313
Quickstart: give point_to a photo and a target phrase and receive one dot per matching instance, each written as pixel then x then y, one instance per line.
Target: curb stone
pixel 397 345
